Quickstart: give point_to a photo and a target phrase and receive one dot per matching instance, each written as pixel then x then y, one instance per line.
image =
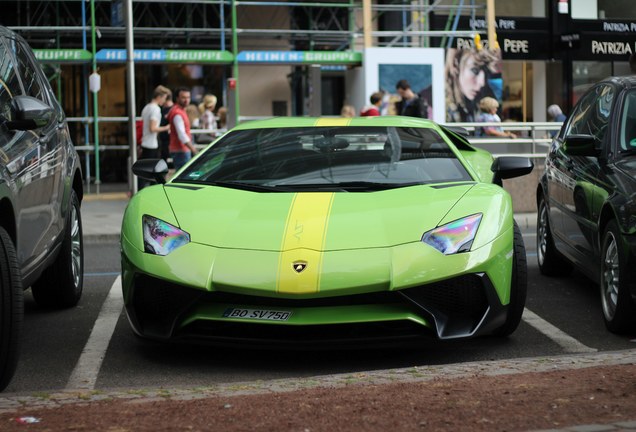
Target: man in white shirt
pixel 151 118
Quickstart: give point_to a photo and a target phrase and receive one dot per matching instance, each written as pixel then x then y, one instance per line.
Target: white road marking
pixel 84 375
pixel 567 342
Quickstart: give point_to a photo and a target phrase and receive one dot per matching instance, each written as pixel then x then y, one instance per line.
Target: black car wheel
pixel 551 263
pixel 60 286
pixel 618 309
pixel 11 308
pixel 518 286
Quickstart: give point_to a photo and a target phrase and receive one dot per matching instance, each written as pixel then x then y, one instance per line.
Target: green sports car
pixel 326 230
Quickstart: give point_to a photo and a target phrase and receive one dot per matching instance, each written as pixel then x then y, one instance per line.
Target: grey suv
pixel 40 194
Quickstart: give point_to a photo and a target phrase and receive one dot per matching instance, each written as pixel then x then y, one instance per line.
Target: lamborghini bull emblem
pixel 299 266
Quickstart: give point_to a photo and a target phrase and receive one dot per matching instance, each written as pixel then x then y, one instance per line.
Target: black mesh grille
pixel 302 336
pixel 461 296
pixel 457 305
pixel 158 303
pixel 382 297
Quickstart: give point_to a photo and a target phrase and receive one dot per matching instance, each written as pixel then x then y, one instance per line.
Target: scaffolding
pixel 224 25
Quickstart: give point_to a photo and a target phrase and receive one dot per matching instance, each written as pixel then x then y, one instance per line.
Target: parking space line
pixel 84 376
pixel 567 342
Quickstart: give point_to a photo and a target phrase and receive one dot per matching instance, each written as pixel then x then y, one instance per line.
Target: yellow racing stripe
pixel 300 261
pixel 336 121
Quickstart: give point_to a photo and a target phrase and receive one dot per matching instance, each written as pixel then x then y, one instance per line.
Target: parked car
pixel 307 231
pixel 586 199
pixel 40 195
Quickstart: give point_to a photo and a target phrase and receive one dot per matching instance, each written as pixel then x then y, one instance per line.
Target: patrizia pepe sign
pixel 605 40
pixel 618 48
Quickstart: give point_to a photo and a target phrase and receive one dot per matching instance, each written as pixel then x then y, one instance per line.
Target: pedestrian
pixel 151 119
pixel 207 119
pixel 556 115
pixel 488 107
pixel 221 117
pixel 206 111
pixel 181 145
pixel 373 109
pixel 164 137
pixel 632 63
pixel 348 111
pixel 411 104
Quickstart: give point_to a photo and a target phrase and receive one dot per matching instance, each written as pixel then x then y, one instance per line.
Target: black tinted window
pixel 9 87
pixel 591 115
pixel 28 69
pixel 318 157
pixel 628 123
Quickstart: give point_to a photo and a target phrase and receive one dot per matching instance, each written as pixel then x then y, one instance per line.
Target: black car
pixel 40 194
pixel 586 199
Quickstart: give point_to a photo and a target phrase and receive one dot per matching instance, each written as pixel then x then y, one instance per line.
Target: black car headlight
pixel 160 237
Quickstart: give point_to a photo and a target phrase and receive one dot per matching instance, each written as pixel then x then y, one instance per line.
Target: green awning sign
pixel 116 55
pixel 301 57
pixel 62 55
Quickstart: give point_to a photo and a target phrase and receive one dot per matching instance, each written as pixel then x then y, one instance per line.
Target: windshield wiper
pixel 242 186
pixel 374 185
pixel 349 186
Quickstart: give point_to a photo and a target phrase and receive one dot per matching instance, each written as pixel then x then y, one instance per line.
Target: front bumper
pixel 371 295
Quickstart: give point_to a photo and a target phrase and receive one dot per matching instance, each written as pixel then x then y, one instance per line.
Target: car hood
pixel 231 218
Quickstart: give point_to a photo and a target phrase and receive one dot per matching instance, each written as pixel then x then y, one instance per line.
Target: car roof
pixel 5 32
pixel 304 122
pixel 626 81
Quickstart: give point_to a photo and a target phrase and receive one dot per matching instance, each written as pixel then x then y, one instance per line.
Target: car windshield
pixel 327 158
pixel 628 124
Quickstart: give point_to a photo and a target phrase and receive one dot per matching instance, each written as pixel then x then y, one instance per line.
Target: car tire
pixel 551 263
pixel 518 286
pixel 11 308
pixel 618 308
pixel 60 286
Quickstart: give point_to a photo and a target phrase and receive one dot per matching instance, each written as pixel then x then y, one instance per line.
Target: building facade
pixel 308 58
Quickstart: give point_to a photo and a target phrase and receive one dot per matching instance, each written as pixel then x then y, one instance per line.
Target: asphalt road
pixel 89 347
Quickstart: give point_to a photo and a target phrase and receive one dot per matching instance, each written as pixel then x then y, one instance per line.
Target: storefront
pixel 519 80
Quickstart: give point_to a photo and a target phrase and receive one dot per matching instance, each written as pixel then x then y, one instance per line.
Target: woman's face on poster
pixel 471 77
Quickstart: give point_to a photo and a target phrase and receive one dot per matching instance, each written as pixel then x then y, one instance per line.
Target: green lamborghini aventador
pixel 326 230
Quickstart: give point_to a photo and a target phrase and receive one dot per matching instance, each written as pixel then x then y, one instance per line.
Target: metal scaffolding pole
pixel 130 86
pixel 95 97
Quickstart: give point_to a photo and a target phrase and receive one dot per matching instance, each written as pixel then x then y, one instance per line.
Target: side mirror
pixel 29 113
pixel 151 169
pixel 458 130
pixel 580 145
pixel 505 167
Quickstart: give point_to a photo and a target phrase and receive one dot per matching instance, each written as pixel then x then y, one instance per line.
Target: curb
pixel 11 403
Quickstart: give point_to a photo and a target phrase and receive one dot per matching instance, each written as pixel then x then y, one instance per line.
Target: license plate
pixel 257 314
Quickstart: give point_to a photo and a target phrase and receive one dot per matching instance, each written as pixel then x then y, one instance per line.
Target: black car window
pixel 9 87
pixel 592 113
pixel 319 158
pixel 628 123
pixel 28 70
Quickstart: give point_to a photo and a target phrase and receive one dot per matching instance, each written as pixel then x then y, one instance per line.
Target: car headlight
pixel 161 238
pixel 454 237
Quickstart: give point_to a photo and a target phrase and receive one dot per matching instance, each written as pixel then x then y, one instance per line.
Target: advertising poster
pixel 470 76
pixel 423 68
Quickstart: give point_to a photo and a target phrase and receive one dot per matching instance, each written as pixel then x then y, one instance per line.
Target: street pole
pixel 235 68
pixel 130 86
pixel 95 105
pixel 490 19
pixel 366 22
